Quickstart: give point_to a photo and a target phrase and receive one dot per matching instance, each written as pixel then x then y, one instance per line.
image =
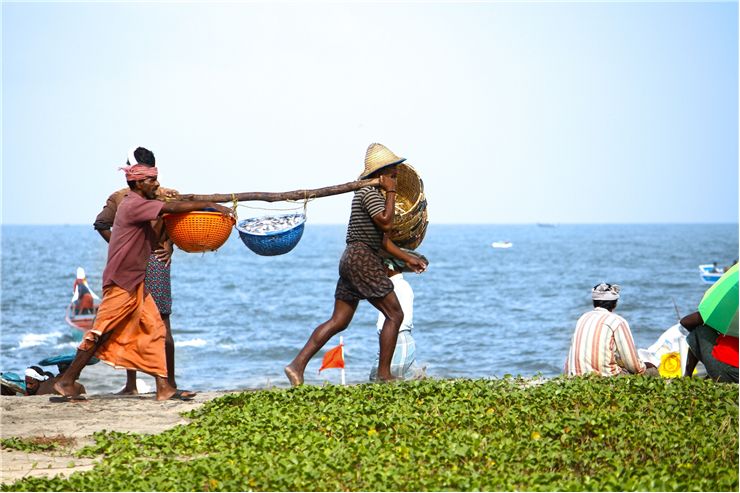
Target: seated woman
pixel 718 352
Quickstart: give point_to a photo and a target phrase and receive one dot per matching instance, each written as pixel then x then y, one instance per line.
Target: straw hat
pixel 377 157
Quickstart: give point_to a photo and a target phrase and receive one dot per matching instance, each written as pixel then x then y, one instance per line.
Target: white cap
pixel 30 372
pixel 80 273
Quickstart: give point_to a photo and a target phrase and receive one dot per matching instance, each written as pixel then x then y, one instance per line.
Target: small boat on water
pixel 83 307
pixel 81 321
pixel 709 273
pixel 501 244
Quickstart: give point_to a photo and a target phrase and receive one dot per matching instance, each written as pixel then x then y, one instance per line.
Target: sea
pixel 480 312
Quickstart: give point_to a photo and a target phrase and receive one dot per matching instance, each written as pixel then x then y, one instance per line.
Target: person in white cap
pixel 602 342
pixel 362 275
pixel 40 382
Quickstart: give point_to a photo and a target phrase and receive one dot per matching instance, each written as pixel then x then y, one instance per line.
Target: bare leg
pixel 340 319
pixel 391 309
pixel 164 389
pixel 169 354
pixel 691 361
pixel 67 383
pixel 169 351
pixel 130 388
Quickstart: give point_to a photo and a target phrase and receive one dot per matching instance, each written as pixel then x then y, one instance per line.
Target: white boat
pixel 709 273
pixel 501 244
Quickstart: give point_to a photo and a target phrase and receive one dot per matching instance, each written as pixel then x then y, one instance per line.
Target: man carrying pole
pixel 128 331
pixel 361 271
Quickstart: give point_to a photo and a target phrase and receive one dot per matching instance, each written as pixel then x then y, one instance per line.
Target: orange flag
pixel 334 358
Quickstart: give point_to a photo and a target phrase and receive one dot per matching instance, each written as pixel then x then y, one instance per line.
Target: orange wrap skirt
pixel 137 333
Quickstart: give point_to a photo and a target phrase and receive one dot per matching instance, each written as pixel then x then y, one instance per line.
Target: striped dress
pixel 602 343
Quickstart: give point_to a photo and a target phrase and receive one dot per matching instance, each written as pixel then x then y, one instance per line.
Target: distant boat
pixel 708 273
pixel 80 321
pixel 546 225
pixel 501 244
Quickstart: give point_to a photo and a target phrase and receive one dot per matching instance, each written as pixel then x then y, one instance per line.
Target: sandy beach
pixel 36 416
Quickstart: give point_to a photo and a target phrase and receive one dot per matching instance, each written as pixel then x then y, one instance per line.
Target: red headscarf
pixel 138 172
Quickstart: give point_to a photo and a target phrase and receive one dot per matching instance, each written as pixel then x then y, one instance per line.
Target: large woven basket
pixel 410 220
pixel 200 231
pixel 273 242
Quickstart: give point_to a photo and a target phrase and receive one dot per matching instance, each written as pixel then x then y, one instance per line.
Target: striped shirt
pixel 602 343
pixel 367 202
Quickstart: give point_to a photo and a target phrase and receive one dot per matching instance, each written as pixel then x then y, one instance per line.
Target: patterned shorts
pixel 361 275
pixel 157 282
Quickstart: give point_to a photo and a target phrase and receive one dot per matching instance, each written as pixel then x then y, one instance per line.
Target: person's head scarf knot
pixel 605 292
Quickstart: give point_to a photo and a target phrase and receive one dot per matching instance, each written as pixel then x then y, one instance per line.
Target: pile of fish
pixel 271 224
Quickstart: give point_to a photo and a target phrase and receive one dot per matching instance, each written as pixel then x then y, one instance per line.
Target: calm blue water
pixel 238 318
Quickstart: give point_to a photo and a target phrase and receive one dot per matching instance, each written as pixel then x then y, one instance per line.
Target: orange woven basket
pixel 200 231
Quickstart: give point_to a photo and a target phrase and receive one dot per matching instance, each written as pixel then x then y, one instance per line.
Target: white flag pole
pixel 341 343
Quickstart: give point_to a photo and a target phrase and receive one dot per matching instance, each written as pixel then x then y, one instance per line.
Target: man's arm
pixel 164 254
pixel 384 220
pixel 415 263
pixel 104 221
pixel 199 205
pixel 691 321
pixel 627 350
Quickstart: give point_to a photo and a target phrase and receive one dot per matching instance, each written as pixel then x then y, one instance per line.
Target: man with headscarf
pixel 128 331
pixel 361 272
pixel 602 342
pixel 157 279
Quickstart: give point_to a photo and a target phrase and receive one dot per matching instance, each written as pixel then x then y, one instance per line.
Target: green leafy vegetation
pixel 594 434
pixel 37 444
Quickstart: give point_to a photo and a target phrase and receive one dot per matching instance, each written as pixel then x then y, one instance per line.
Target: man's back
pixel 602 343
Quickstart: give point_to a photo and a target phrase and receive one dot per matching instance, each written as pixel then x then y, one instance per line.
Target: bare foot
pixel 295 378
pixel 164 389
pixel 66 389
pixel 388 378
pixel 127 391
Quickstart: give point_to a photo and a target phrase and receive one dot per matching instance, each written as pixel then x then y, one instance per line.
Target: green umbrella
pixel 718 307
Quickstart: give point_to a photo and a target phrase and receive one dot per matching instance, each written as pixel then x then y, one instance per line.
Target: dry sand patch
pixel 36 416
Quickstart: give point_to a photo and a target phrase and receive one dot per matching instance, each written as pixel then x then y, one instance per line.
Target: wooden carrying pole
pixel 278 196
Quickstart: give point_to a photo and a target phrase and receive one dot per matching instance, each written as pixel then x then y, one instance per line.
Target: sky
pixel 511 112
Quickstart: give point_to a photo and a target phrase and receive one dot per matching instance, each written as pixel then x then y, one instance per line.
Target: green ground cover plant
pixel 37 444
pixel 595 434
